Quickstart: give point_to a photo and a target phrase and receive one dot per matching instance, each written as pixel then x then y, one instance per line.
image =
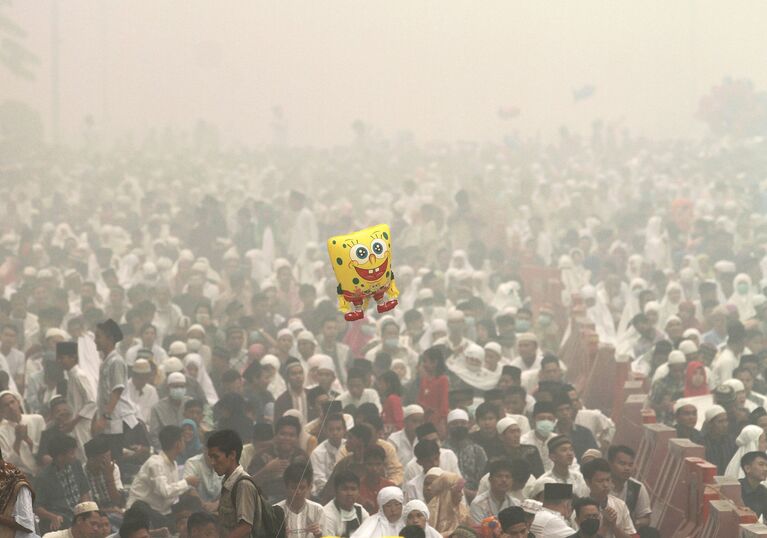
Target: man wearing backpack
pixel 242 511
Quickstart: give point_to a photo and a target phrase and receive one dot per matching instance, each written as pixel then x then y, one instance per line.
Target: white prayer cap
pixel 172 364
pixel 324 362
pixel 195 328
pixel 681 403
pixel 177 348
pixel 691 332
pixel 413 409
pixel 200 267
pixel 141 366
pixel 531 506
pixel 85 507
pixel 306 336
pixel 676 357
pixel 149 269
pixel 588 292
pixel 455 315
pixel 473 351
pixel 425 293
pixel 434 471
pixel 284 332
pixel 55 331
pixel 527 337
pixel 505 423
pixel 714 411
pixel 176 377
pixel 652 306
pixel 725 266
pixel 45 273
pixel 30 271
pixel 495 347
pixel 457 414
pixel 295 325
pixel 270 360
pixel 688 347
pixel 736 384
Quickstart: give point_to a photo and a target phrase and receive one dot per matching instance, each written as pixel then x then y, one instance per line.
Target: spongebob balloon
pixel 362 264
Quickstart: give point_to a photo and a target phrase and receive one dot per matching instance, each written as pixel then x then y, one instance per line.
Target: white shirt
pixel 15 360
pixel 144 400
pixel 23 513
pixel 24 459
pixel 448 461
pixel 550 524
pixel 600 425
pixel 643 507
pixel 722 367
pixel 323 460
pixel 296 523
pixel 403 445
pixel 543 449
pixel 414 488
pixel 574 477
pixel 623 521
pixel 157 483
pixel 368 396
pixel 485 505
pixel 334 524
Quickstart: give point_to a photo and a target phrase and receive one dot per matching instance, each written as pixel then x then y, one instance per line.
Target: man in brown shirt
pixel 237 519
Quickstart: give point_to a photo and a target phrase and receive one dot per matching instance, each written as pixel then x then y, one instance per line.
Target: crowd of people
pixel 173 361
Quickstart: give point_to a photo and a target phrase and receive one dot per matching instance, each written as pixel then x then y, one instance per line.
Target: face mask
pixel 544 320
pixel 203 318
pixel 743 288
pixel 545 427
pixel 470 321
pixel 522 325
pixel 368 330
pixel 177 393
pixel 459 432
pixel 590 526
pixel 391 342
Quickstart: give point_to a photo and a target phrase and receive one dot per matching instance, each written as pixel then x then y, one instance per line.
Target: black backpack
pixel 268 521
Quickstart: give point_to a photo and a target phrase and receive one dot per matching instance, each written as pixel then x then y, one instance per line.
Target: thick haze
pixel 439 68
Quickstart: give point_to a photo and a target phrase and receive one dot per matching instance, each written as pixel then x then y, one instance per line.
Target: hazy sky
pixel 441 68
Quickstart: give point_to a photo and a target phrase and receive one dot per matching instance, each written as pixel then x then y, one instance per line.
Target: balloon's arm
pixel 343 304
pixel 393 292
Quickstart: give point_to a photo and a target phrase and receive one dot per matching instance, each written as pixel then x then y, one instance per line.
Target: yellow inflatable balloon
pixel 362 264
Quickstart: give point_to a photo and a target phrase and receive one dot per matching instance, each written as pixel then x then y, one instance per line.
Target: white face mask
pixel 177 393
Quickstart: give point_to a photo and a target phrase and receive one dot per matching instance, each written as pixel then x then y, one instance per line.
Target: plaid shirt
pixel 68 481
pixel 99 489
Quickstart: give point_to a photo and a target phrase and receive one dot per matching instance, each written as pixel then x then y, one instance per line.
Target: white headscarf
pixel 669 308
pixel 277 384
pixel 377 526
pixel 202 377
pixel 419 506
pixel 747 441
pixel 478 377
pixel 745 303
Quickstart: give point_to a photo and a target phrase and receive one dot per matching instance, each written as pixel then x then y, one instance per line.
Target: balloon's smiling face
pixel 362 260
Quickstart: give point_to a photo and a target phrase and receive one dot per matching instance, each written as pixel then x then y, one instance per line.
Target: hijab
pixel 743 301
pixel 193 447
pixel 747 441
pixel 377 525
pixel 469 367
pixel 445 515
pixel 202 377
pixel 689 390
pixel 419 506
